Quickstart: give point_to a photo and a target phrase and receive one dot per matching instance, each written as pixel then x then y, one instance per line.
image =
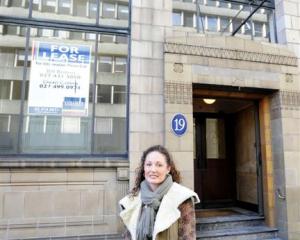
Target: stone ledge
pixel 24 162
pixel 230 54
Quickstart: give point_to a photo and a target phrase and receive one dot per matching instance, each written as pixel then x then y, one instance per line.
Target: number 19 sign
pixel 179 124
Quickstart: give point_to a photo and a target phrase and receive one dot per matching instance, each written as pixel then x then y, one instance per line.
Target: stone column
pixel 288 118
pixel 150 22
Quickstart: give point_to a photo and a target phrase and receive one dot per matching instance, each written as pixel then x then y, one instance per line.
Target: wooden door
pixel 214 164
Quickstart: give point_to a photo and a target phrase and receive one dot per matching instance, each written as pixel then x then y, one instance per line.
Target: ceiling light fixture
pixel 209 100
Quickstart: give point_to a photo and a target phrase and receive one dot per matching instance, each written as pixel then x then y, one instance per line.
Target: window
pixel 106 38
pixel 121 39
pixel 108 10
pixel 48 6
pixel 64 6
pixel 176 18
pixel 120 64
pixel 212 23
pixel 105 64
pixel 20 58
pixel 188 19
pixel 211 3
pixel 248 28
pixel 123 12
pixel 96 92
pixel 224 24
pixel 92 9
pixel 258 28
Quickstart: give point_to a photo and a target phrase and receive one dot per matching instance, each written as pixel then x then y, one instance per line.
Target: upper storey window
pixel 226 17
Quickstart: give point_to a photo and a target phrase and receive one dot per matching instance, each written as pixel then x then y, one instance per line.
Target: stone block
pixel 184 160
pixel 52 175
pixel 290 8
pixel 178 108
pixel 187 179
pixel 235 43
pixel 151 103
pixel 144 122
pixel 157 50
pixel 183 76
pixel 142 49
pixel 142 15
pixel 76 175
pixel 172 141
pixel 66 203
pixel 136 31
pixel 292 35
pixel 38 204
pixel 135 105
pixel 13 205
pixel 4 176
pixel 89 203
pixel 291 176
pixel 25 175
pixel 162 18
pixel 22 233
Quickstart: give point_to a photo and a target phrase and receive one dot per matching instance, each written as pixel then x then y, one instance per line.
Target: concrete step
pixel 241 233
pixel 228 222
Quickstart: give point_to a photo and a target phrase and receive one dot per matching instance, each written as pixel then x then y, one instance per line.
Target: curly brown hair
pixel 140 169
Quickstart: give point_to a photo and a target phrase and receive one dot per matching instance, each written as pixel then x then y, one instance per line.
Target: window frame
pixel 57 25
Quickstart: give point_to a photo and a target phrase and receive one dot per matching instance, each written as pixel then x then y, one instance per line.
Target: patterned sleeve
pixel 126 235
pixel 187 221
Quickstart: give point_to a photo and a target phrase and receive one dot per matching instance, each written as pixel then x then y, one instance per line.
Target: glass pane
pixel 123 12
pixel 57 114
pixel 107 38
pixel 215 138
pixel 176 18
pixel 248 28
pixel 12 59
pixel 105 64
pixel 211 3
pixel 188 19
pixel 258 28
pixel 111 98
pixel 81 11
pixel 17 8
pixel 212 23
pixel 224 24
pixel 120 65
pixel 108 10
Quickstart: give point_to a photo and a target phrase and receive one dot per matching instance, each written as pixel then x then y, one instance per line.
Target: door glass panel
pixel 215 138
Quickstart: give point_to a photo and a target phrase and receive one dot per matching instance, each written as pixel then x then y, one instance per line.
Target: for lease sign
pixel 59 79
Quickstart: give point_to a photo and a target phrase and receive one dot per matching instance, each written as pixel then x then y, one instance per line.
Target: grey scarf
pixel 151 202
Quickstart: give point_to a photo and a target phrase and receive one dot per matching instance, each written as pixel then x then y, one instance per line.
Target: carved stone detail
pixel 290 99
pixel 178 93
pixel 230 54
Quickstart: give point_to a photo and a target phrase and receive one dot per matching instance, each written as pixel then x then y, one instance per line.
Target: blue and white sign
pixel 59 79
pixel 179 124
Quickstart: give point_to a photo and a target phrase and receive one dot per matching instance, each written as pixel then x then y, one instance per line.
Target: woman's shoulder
pixel 183 191
pixel 129 200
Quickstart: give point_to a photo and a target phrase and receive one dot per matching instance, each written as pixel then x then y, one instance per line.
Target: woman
pixel 158 208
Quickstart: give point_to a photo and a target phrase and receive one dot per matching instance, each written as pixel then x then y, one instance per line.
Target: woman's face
pixel 156 169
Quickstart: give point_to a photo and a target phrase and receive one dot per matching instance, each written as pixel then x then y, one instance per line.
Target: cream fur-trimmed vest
pixel 167 214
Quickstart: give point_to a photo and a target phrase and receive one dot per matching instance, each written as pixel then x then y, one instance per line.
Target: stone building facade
pixel 172 68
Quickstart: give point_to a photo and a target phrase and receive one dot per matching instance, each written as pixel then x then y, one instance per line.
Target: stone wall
pixel 287 118
pixel 59 202
pixel 151 20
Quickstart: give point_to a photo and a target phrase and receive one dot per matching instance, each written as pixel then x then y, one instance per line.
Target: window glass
pixel 10 87
pixel 224 24
pixel 258 28
pixel 188 1
pixel 64 6
pixel 17 8
pixel 235 24
pixel 108 10
pixel 107 38
pixel 120 64
pixel 105 64
pixel 212 23
pixel 188 19
pixel 81 11
pixel 176 18
pixel 123 12
pixel 211 3
pixel 121 39
pixel 248 28
pixel 46 129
